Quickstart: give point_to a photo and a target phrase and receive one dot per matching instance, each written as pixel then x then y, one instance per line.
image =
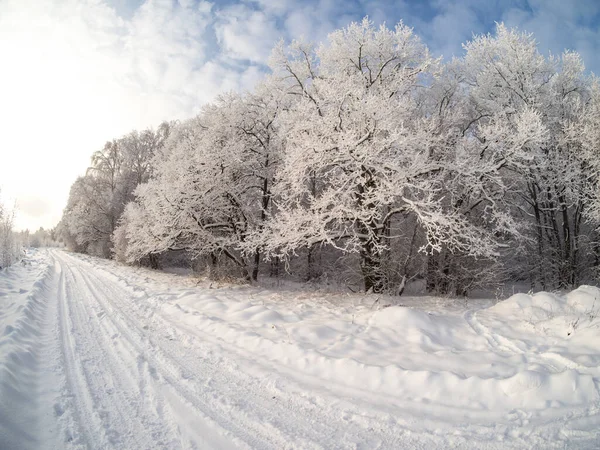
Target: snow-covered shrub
pixel 10 248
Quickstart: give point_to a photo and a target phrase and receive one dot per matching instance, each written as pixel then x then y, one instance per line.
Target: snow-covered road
pixel 97 355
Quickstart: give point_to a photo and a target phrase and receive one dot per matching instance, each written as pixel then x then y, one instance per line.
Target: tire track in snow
pixel 192 379
pixel 181 393
pixel 80 400
pixel 377 426
pixel 272 412
pixel 143 353
pixel 230 406
pixel 102 378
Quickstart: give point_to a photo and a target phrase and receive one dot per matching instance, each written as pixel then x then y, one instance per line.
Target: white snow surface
pixel 97 355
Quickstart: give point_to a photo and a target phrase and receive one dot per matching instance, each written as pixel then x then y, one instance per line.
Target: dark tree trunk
pixel 153 260
pixel 567 269
pixel 575 253
pixel 370 265
pixel 310 271
pixel 370 258
pixel 445 279
pixel 274 269
pixel 431 277
pixel 538 261
pixel 256 265
pixel 212 268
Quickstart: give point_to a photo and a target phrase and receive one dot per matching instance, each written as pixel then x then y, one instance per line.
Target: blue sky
pixel 443 25
pixel 76 73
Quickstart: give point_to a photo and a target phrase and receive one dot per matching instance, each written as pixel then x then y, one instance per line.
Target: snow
pixel 97 355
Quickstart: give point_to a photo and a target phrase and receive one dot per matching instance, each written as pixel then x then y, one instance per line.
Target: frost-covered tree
pixel 137 150
pixel 40 238
pixel 212 184
pixel 583 142
pixel 97 200
pixel 360 128
pixel 508 77
pixel 474 153
pixel 88 219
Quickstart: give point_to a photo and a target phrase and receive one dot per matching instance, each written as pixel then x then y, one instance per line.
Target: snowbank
pixel 495 359
pixel 522 371
pixel 22 312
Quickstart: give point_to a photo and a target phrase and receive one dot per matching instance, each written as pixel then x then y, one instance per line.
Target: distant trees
pixel 13 242
pixel 9 245
pixel 40 238
pixel 97 199
pixel 457 174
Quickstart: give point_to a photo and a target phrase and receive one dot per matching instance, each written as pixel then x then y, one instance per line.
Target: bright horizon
pixel 79 73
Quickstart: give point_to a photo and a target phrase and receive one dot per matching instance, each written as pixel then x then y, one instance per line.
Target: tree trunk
pixel 431 277
pixel 444 286
pixel 153 260
pixel 256 265
pixel 370 265
pixel 538 262
pixel 212 268
pixel 575 253
pixel 310 272
pixel 274 269
pixel 567 269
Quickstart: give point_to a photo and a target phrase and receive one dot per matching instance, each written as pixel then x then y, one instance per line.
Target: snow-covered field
pixel 97 355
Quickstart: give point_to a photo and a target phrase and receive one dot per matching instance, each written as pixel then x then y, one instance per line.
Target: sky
pixel 77 73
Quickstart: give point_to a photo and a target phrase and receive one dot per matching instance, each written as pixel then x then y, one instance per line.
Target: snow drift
pixel 140 354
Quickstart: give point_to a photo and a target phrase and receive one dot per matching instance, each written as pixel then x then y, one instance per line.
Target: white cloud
pixel 558 25
pixel 449 29
pixel 301 23
pixel 274 7
pixel 75 74
pixel 245 33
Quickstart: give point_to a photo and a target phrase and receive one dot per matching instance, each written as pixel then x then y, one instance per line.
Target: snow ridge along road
pixel 97 355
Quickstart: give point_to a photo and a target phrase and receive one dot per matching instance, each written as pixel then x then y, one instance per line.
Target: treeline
pixel 10 248
pixel 39 238
pixel 13 243
pixel 97 199
pixel 367 161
